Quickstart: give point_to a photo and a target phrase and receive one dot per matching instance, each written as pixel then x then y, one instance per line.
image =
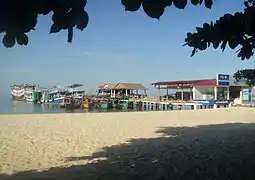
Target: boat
pixel 72 103
pixel 54 95
pixel 30 93
pixel 24 92
pixel 17 92
pixel 85 103
pixel 76 91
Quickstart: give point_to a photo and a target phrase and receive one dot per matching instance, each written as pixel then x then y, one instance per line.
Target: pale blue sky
pixel 119 46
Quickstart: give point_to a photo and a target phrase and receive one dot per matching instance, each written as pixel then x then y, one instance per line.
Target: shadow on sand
pixel 211 152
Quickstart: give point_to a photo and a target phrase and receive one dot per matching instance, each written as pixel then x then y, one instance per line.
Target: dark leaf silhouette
pixel 237 29
pixel 22 39
pixel 131 5
pixel 82 21
pixel 55 28
pixel 233 29
pixel 195 2
pixel 180 4
pixel 9 40
pixel 154 9
pixel 70 35
pixel 208 3
pixel 16 21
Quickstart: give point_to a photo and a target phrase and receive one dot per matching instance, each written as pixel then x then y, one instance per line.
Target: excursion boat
pixel 76 91
pixel 17 92
pixel 31 94
pixel 54 95
pixel 74 96
pixel 20 92
pixel 72 103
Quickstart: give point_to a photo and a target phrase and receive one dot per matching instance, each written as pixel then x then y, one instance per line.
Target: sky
pixel 119 46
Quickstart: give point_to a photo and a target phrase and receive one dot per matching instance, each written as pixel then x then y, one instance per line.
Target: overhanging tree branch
pixel 20 17
pixel 234 30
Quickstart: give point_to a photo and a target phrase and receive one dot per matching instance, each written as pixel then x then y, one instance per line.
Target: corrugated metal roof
pixel 202 82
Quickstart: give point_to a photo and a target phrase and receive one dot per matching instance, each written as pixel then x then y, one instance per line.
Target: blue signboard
pixel 223 79
pixel 211 101
pixel 246 94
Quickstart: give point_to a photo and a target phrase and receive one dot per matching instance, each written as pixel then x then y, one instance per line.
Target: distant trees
pixel 248 74
pixel 235 30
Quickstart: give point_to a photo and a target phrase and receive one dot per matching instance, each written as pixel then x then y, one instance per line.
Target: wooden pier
pixel 153 105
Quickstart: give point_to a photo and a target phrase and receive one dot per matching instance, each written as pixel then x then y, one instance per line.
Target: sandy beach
pixel 201 144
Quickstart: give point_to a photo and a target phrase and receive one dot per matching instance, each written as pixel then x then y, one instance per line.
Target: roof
pixel 131 86
pixel 189 83
pixel 75 85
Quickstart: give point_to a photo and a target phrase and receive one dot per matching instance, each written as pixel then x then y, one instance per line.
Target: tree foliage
pixel 248 74
pixel 235 30
pixel 18 17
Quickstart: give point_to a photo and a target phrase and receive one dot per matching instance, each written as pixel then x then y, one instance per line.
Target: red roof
pixel 202 82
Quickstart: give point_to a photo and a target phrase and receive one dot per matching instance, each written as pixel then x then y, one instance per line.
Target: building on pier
pixel 209 92
pixel 122 89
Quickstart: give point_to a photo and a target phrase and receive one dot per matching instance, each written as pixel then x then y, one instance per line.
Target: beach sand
pixel 199 144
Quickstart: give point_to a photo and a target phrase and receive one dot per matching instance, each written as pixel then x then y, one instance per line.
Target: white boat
pixel 76 90
pixel 18 91
pixel 54 95
pixel 29 94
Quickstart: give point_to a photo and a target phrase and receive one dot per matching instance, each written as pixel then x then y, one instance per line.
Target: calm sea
pixel 8 106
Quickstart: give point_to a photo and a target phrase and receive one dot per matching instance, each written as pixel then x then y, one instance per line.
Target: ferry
pixel 53 95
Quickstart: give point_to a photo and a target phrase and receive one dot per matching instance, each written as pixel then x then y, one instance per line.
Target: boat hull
pixel 18 98
pixel 59 100
pixel 18 94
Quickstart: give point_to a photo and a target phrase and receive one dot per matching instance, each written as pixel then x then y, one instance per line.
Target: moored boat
pixel 76 91
pixel 54 95
pixel 30 93
pixel 17 92
pixel 72 103
pixel 23 92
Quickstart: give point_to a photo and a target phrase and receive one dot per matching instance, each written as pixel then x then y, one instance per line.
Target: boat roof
pixel 23 85
pixel 75 85
pixel 76 90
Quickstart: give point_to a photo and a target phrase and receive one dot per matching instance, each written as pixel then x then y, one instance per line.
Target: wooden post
pixel 190 91
pixel 114 93
pixel 193 93
pixel 215 93
pixel 158 93
pixel 167 93
pixel 182 94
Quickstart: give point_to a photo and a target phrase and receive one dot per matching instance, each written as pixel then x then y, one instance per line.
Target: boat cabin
pixel 76 90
